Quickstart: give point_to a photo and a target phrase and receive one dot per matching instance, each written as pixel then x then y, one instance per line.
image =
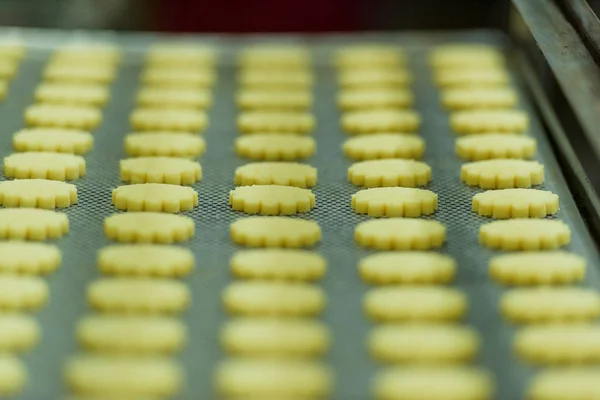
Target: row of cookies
pixel 12 52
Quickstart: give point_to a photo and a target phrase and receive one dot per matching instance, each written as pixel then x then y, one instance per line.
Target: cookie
pixel 286 299
pixel 274 56
pixel 390 172
pixel 384 145
pixel 525 234
pixel 145 227
pixel 25 258
pixel 181 77
pixel 394 202
pixel 413 267
pixel 44 165
pixel 276 80
pixel 8 69
pixel 168 119
pixel 13 375
pixel 374 78
pixel 415 303
pixel 37 193
pixel 21 293
pixel 264 99
pixel 471 77
pixel 495 145
pixel 515 203
pixel 12 48
pixel 502 174
pixel 275 232
pixel 170 170
pixel 53 140
pixel 164 144
pixel 572 383
pixel 489 121
pixel 145 260
pixel 72 94
pixel 400 234
pixel 278 264
pixel 19 332
pixel 538 268
pixel 276 122
pixel 188 55
pixel 276 173
pixel 63 116
pixel 367 55
pixel 32 224
pixel 380 121
pixel 468 98
pixel 365 99
pixel 157 197
pixel 271 199
pixel 161 97
pixel 466 54
pixel 94 52
pixel 275 147
pixel 59 72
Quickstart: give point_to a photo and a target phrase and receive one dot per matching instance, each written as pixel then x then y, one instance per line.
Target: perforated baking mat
pixel 348 356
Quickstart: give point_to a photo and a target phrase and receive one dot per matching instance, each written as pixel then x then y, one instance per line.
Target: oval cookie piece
pixel 275 232
pixel 149 227
pixel 276 80
pixel 71 94
pixel 407 267
pixel 394 202
pixel 53 140
pixel 168 119
pixel 369 55
pixel 277 337
pixel 271 199
pixel 29 258
pixel 275 122
pixel 146 260
pixel 32 224
pixel 365 99
pixel 174 171
pixel 178 78
pixel 484 121
pixel 157 197
pixel 415 303
pixel 43 165
pixel 543 268
pixel 37 193
pixel 374 78
pixel 502 174
pixel 400 234
pixel 378 121
pixel 13 375
pixel 266 56
pixel 525 234
pixel 384 145
pixel 19 332
pixel 572 383
pixel 22 293
pixel 391 172
pixel 180 54
pixel 471 77
pixel 159 144
pixel 84 74
pixel 495 145
pixel 275 147
pixel 278 264
pixel 276 173
pixel 161 97
pixel 257 298
pixel 274 100
pixel 464 55
pixel 515 203
pixel 63 116
pixel 469 98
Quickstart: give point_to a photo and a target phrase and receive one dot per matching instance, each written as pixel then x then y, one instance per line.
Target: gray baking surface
pixel 348 356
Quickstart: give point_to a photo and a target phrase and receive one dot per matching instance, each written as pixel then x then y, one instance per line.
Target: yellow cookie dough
pixel 572 383
pixel 278 264
pixel 131 334
pixel 515 203
pixel 59 72
pixel 533 268
pixel 158 197
pixel 147 227
pixel 487 121
pixel 271 199
pixel 415 303
pixel 53 140
pixel 365 99
pixel 174 171
pixel 29 258
pixel 415 267
pixel 8 69
pixel 389 172
pixel 369 55
pixel 275 147
pixel 495 145
pixel 276 122
pixel 394 202
pixel 549 304
pixel 424 344
pixel 63 116
pixel 465 54
pixel 89 50
pixel 196 78
pixel 262 298
pixel 44 165
pixel 276 173
pixel 12 48
pixel 22 293
pixel 265 99
pixel 502 174
pixel 165 119
pixel 525 234
pixel 72 94
pixel 380 121
pixel 159 97
pixel 20 332
pixel 13 375
pixel 384 145
pixel 3 90
pixel 274 56
pixel 466 98
pixel 164 144
pixel 145 260
pixel 276 80
pixel 138 295
pixel 400 234
pixel 471 77
pixel 289 337
pixel 275 232
pixel 32 224
pixel 37 193
pixel 186 55
pixel 374 78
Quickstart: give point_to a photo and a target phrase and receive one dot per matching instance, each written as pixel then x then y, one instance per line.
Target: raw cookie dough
pixel 171 170
pixel 276 122
pixel 58 72
pixel 502 174
pixel 186 55
pixel 138 295
pixel 538 268
pixel 277 337
pixel 415 267
pixel 275 147
pixel 384 145
pixel 24 258
pixel 179 78
pixel 165 119
pixel 465 54
pixel 157 197
pixel 489 121
pixel 276 80
pixel 265 99
pixel 374 78
pixel 515 203
pixel 275 232
pixel 495 145
pixel 365 99
pixel 13 375
pixel 263 298
pixel 72 94
pixel 273 56
pixel 525 234
pixel 131 334
pixel 415 303
pixel 424 344
pixel 32 224
pixel 549 304
pixel 164 144
pixel 472 77
pixel 20 332
pixel 12 48
pixel 37 193
pixel 394 202
pixel 20 293
pixel 465 98
pixel 389 172
pixel 400 234
pixel 572 383
pixel 63 116
pixel 276 173
pixel 44 165
pixel 145 227
pixel 54 140
pixel 379 121
pixel 367 55
pixel 278 264
pixel 8 69
pixel 271 199
pixel 182 98
pixel 146 260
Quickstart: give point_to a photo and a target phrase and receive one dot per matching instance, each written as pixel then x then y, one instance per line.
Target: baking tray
pixel 348 356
